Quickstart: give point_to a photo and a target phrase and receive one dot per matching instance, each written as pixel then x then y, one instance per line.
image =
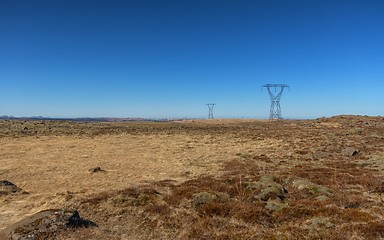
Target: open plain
pixel 199 179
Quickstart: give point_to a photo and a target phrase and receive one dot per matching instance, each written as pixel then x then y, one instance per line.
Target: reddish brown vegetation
pixel 330 195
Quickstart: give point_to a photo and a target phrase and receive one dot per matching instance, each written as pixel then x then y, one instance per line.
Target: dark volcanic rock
pixel 45 225
pixel 7 187
pixel 76 221
pixel 95 170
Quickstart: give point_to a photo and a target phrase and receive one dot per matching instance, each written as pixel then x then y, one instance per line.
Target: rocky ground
pixel 219 179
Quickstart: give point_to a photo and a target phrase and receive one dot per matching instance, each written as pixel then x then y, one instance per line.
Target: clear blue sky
pixel 168 58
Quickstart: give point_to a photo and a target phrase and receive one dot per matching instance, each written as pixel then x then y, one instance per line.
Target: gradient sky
pixel 168 58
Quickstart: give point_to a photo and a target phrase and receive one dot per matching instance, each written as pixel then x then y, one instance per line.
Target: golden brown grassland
pixel 200 179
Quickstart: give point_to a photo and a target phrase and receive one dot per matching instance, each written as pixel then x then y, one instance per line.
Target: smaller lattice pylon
pixel 210 110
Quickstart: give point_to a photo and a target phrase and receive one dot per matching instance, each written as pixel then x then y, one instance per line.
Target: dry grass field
pixel 202 179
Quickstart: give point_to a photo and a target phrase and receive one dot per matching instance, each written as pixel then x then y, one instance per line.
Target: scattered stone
pixel 272 192
pixel 269 188
pixel 7 187
pixel 76 221
pixel 370 124
pixel 350 152
pixel 203 198
pixel 45 225
pixel 96 169
pixel 312 188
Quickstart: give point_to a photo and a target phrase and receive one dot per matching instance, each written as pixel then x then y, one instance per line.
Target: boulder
pixel 269 188
pixel 76 221
pixel 272 192
pixel 203 198
pixel 95 170
pixel 45 225
pixel 350 152
pixel 7 187
pixel 312 188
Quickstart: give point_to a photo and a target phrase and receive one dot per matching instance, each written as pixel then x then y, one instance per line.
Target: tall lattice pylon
pixel 210 108
pixel 275 111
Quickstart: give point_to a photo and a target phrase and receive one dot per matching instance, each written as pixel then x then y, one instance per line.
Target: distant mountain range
pixel 86 119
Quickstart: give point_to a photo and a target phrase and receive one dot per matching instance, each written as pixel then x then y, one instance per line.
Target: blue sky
pixel 168 58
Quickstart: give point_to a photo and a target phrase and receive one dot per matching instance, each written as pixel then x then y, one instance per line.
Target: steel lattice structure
pixel 275 111
pixel 210 108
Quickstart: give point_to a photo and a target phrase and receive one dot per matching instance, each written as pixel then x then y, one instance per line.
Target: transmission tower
pixel 210 108
pixel 275 111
